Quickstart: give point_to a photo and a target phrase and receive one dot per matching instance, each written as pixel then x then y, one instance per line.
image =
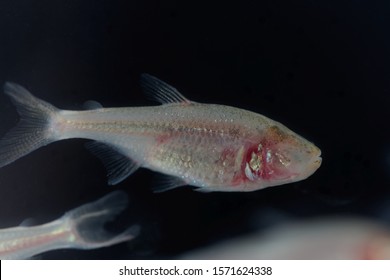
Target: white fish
pixel 214 147
pixel 341 238
pixel 80 228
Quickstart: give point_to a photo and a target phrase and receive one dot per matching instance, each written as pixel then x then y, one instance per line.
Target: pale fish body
pixel 80 228
pixel 333 238
pixel 214 147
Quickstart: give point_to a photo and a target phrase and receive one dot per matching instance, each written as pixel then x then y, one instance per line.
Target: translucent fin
pixel 166 182
pixel 203 190
pixel 87 222
pixel 92 105
pixel 118 166
pixel 215 189
pixel 29 222
pixel 32 131
pixel 161 91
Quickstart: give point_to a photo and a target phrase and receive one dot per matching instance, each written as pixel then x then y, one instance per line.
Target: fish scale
pixel 201 160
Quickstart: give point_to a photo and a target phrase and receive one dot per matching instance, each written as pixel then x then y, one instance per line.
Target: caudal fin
pixel 32 131
pixel 88 221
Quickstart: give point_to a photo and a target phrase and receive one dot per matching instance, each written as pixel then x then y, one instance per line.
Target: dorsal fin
pixel 29 222
pixel 161 91
pixel 92 105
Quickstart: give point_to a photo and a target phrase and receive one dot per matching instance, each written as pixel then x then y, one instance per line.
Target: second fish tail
pixel 34 129
pixel 88 222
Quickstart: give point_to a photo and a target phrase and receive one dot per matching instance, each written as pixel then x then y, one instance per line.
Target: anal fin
pixel 203 190
pixel 118 166
pixel 166 182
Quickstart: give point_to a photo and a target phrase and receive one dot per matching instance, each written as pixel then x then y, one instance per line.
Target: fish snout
pixel 314 159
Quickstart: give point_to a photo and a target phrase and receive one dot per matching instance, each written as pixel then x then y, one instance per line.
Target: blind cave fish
pixel 80 228
pixel 212 147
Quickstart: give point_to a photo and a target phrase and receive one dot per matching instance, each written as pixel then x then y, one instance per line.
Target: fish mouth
pixel 314 161
pixel 313 164
pixel 317 160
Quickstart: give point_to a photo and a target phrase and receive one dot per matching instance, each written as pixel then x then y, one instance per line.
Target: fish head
pixel 281 157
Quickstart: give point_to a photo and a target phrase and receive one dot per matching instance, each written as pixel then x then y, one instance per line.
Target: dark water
pixel 320 67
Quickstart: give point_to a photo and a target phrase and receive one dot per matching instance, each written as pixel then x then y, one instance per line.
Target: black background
pixel 322 68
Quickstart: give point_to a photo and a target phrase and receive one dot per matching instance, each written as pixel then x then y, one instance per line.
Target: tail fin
pixel 32 130
pixel 87 222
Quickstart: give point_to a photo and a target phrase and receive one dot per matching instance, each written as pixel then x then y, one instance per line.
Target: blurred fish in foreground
pixel 80 228
pixel 213 147
pixel 324 239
